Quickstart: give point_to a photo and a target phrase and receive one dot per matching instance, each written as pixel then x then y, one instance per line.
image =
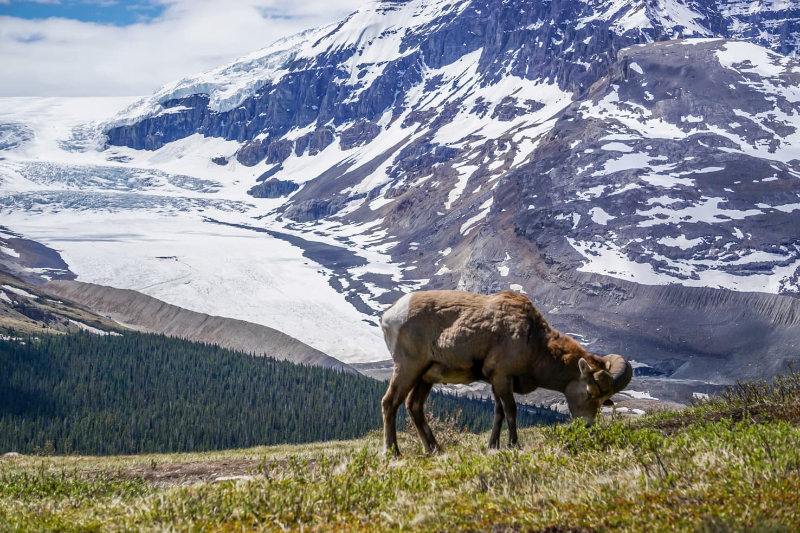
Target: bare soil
pixel 194 472
pixel 189 473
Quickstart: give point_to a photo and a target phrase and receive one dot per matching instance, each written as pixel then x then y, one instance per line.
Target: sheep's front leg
pixel 503 388
pixel 499 415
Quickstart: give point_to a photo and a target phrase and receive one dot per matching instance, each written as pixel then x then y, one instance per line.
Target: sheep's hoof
pixel 394 452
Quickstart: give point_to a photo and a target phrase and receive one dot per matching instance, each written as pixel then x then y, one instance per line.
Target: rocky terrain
pixel 632 166
pixel 25 308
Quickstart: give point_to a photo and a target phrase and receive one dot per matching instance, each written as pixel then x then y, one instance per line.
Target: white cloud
pixel 63 57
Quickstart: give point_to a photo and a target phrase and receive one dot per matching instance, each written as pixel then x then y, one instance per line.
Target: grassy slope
pixel 727 465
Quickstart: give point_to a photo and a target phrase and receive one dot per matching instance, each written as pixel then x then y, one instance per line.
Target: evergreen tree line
pixel 147 393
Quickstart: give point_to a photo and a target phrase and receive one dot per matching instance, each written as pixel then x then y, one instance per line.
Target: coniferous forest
pixel 145 393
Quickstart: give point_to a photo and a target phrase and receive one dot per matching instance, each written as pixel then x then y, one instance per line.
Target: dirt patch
pixel 197 472
pixel 170 474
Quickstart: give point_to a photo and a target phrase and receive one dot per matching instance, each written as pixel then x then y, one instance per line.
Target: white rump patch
pixel 393 319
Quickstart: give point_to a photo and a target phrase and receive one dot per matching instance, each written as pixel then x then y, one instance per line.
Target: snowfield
pixel 213 269
pixel 144 225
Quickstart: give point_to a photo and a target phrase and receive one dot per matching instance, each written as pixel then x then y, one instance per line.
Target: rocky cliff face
pixel 632 166
pixel 350 73
pixel 680 167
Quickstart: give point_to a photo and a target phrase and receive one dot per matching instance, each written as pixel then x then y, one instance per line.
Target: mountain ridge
pixel 144 313
pixel 372 31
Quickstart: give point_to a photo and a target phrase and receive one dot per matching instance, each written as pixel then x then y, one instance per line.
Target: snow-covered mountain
pixel 631 165
pixel 357 67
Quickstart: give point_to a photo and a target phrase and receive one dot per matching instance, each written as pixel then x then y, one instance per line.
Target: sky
pixel 131 48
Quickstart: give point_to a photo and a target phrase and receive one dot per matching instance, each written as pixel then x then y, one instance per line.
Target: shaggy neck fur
pixel 562 364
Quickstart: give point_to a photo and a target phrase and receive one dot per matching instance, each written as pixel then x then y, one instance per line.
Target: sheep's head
pixel 595 386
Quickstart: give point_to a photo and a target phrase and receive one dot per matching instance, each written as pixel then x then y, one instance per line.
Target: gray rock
pixel 273 189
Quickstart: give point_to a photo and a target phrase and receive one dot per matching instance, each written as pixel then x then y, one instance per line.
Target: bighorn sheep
pixel 459 337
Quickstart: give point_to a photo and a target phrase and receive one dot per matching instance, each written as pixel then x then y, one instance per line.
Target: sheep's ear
pixel 608 403
pixel 584 366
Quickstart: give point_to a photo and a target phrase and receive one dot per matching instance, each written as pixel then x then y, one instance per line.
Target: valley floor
pixel 728 464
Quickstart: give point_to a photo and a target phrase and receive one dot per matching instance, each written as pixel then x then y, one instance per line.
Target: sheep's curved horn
pixel 621 371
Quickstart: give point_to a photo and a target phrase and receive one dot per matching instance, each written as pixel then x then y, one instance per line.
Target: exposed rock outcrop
pixel 273 189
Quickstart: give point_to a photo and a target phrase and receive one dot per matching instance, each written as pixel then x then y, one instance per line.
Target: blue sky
pixel 117 47
pixel 120 13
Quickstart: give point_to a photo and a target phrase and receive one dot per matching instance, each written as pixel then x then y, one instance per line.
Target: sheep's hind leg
pixel 415 404
pixel 401 384
pixel 499 415
pixel 503 389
